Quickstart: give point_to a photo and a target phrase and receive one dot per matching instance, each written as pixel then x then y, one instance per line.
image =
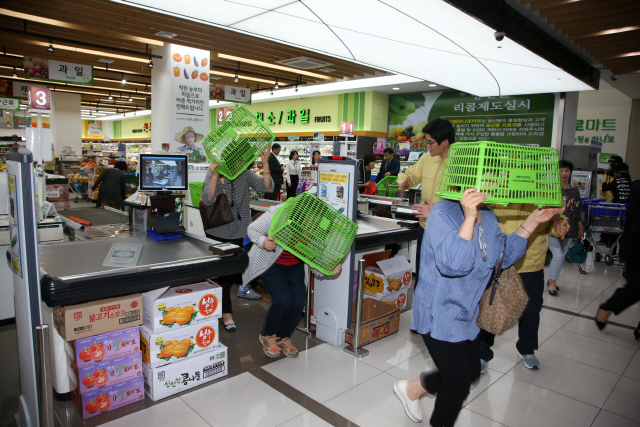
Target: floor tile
pixel 590 351
pixel 625 399
pixel 513 402
pixel 633 370
pixel 544 333
pixel 467 418
pixel 322 372
pixel 174 409
pixel 481 384
pixel 306 420
pixel 390 351
pixel 405 326
pixel 412 367
pixel 607 419
pixel 243 400
pixel 553 318
pixel 612 334
pixel 628 317
pixel 599 281
pixel 568 302
pixel 569 378
pixel 505 355
pixel 373 403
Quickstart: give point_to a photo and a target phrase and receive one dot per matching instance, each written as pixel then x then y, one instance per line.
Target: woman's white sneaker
pixel 411 407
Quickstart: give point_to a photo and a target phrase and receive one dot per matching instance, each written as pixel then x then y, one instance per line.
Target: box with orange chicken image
pixel 179 344
pixel 169 309
pixel 389 277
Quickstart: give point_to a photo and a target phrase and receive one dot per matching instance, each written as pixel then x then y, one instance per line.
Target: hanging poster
pixel 189 101
pixel 13 89
pixel 9 103
pixel 239 95
pixel 57 71
pixel 514 119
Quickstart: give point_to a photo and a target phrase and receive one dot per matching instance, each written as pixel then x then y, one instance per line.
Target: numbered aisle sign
pixel 39 99
pixel 347 128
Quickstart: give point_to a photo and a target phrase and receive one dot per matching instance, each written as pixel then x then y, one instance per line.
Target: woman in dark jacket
pixel 112 191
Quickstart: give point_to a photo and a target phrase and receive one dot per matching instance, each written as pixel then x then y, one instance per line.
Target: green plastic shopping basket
pixel 507 173
pixel 386 181
pixel 313 231
pixel 195 189
pixel 236 142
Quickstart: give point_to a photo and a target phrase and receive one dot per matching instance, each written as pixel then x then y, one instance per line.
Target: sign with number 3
pixel 39 99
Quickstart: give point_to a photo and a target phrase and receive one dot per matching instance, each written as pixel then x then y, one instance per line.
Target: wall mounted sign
pixel 239 95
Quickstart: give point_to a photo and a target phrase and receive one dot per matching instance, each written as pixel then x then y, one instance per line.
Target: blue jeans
pixel 286 287
pixel 559 248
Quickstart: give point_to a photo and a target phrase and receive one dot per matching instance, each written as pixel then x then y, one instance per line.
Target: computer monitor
pixel 163 172
pixel 361 171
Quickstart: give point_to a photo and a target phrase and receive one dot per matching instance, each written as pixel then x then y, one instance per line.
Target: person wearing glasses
pixel 439 135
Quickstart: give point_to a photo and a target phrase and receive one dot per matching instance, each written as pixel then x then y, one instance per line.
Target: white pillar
pixel 66 123
pixel 161 98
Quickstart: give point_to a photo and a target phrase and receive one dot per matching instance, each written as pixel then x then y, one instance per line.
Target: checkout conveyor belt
pixel 73 273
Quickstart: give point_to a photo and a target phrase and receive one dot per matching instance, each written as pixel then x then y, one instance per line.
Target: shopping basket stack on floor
pixel 604 218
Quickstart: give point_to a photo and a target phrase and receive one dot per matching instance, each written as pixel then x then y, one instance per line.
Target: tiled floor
pixel 587 377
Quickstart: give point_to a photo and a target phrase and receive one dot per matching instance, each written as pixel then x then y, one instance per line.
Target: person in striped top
pixel 286 277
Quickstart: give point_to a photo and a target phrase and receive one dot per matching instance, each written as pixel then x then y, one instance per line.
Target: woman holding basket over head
pixel 237 192
pixel 461 244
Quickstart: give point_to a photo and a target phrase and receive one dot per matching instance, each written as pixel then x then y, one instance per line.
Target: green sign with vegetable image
pixel 514 119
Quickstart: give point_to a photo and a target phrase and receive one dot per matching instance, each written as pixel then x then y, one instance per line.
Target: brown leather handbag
pixel 217 214
pixel 504 301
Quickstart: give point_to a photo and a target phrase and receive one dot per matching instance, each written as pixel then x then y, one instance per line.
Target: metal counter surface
pixel 375 232
pixel 73 272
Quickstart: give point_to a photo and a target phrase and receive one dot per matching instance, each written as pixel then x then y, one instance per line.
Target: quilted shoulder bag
pixel 504 301
pixel 216 214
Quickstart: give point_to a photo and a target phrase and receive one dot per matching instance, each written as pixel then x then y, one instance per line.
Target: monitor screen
pixel 360 171
pixel 163 172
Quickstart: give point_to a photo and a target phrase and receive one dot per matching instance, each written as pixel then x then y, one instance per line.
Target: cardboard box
pixel 109 398
pixel 390 275
pixel 378 321
pixel 169 309
pixel 173 378
pixel 97 317
pixel 160 349
pixel 114 371
pixel 395 299
pixel 89 351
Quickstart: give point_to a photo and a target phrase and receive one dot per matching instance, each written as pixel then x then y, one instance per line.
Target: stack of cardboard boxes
pixel 102 342
pixel 387 279
pixel 180 347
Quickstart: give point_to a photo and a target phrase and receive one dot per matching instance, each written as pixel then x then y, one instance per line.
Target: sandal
pixel 230 326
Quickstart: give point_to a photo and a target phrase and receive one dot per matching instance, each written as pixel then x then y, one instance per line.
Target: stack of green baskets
pixel 384 183
pixel 236 142
pixel 195 188
pixel 313 231
pixel 507 173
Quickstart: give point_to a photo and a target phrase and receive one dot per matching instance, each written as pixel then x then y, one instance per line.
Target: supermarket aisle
pixel 587 377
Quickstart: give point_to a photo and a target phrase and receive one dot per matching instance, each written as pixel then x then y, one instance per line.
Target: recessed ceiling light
pixel 499 47
pixel 433 85
pixel 106 61
pixel 396 88
pixel 327 70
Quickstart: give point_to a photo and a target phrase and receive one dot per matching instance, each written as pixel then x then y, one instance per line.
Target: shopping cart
pixel 607 218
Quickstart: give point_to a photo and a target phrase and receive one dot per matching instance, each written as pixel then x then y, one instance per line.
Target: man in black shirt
pixel 620 187
pixel 276 172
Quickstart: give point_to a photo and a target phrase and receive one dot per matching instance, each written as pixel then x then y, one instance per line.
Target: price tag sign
pixel 347 128
pixel 9 104
pixel 53 191
pixel 39 99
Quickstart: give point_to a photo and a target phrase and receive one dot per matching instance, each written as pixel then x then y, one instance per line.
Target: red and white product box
pixel 168 309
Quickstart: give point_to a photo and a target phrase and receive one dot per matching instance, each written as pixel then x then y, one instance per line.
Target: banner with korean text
pixel 513 119
pixel 57 71
pixel 189 101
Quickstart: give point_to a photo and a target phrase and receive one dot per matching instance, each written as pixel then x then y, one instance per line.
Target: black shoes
pixel 600 324
pixel 553 293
